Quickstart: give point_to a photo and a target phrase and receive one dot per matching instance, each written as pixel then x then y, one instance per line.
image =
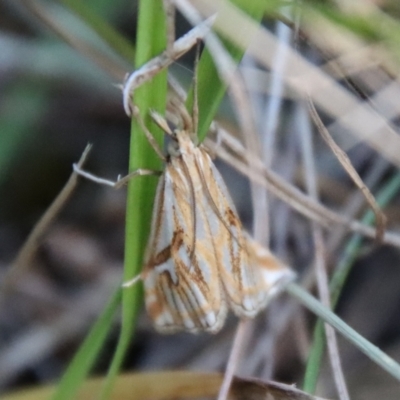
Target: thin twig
pixel 234 358
pixel 27 251
pixel 231 76
pixel 348 166
pixel 288 193
pixel 169 10
pixel 261 217
pixel 320 263
pixel 374 175
pixel 270 121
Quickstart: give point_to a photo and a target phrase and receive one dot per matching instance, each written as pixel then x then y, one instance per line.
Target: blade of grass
pixel 370 350
pixel 88 352
pixel 385 195
pixel 211 89
pixel 151 40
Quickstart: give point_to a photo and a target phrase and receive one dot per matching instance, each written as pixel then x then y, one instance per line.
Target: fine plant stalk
pixel 385 195
pixel 369 349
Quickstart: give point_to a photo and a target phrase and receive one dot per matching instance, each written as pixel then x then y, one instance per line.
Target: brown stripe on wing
pixel 242 281
pixel 165 254
pixel 193 316
pixel 212 202
pixel 185 170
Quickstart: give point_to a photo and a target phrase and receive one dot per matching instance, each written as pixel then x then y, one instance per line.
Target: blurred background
pixel 59 91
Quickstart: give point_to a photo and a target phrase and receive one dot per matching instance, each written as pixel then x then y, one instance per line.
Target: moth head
pixel 179 140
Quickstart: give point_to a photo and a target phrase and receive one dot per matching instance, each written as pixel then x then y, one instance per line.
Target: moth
pixel 199 262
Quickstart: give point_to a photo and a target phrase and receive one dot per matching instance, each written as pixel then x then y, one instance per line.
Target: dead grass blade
pixel 320 264
pixel 176 385
pixel 348 166
pixel 299 201
pixel 24 256
pixel 242 332
pixel 255 389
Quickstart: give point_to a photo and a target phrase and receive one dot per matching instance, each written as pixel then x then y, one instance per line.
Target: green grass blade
pixel 88 352
pixel 210 87
pixel 151 40
pixel 370 350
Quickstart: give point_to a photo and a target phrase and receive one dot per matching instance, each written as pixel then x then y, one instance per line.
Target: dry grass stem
pixel 356 203
pixel 320 264
pixel 347 165
pixel 302 203
pixel 169 10
pixel 27 251
pixel 234 358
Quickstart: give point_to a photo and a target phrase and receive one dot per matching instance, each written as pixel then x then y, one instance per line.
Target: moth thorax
pixel 185 140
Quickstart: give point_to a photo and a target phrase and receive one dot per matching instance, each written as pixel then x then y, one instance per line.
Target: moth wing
pixel 275 273
pixel 242 280
pixel 182 287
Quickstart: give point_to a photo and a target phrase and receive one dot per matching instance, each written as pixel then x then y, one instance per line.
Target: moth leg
pixel 121 181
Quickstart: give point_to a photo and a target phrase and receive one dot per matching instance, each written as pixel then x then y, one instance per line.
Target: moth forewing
pixel 183 292
pixel 241 279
